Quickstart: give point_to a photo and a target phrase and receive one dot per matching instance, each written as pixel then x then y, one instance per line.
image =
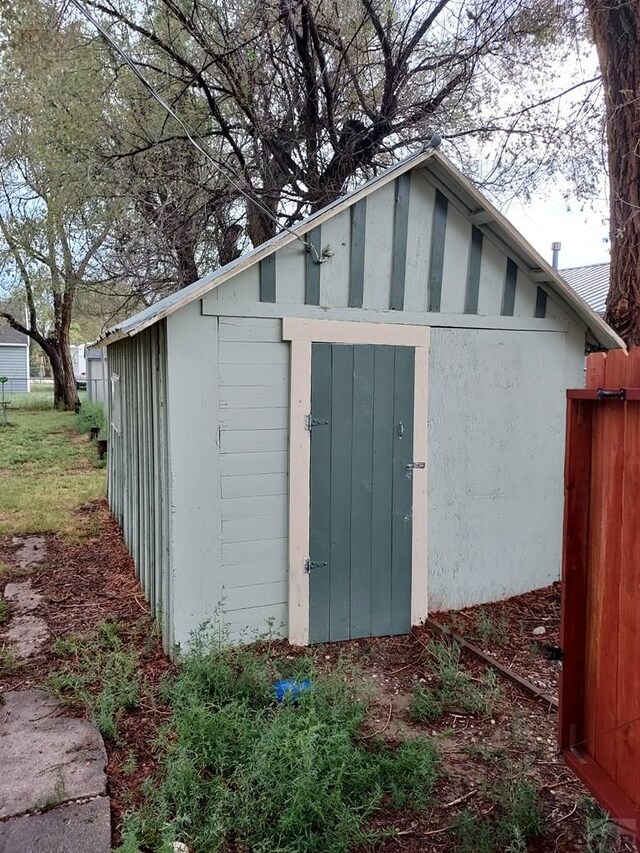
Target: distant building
pixel 591 283
pixel 14 359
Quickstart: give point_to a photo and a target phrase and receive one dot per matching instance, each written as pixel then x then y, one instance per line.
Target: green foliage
pixel 99 671
pixel 600 832
pixel 4 612
pixel 91 414
pixel 32 402
pixel 453 688
pixel 517 819
pixel 239 768
pixel 490 630
pixel 9 661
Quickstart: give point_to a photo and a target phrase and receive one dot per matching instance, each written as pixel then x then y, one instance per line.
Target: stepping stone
pixel 27 635
pixel 46 758
pixel 33 551
pixel 22 597
pixel 75 828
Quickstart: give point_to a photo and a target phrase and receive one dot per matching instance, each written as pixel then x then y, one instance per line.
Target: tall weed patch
pixel 241 771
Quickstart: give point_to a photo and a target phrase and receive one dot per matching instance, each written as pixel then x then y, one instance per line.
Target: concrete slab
pixel 75 828
pixel 46 758
pixel 22 597
pixel 27 634
pixel 32 552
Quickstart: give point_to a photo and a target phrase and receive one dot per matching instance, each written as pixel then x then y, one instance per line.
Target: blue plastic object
pixel 289 688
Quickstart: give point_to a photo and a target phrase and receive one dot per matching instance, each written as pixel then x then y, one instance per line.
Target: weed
pixel 91 415
pixel 4 612
pixel 130 765
pixel 98 671
pixel 518 818
pixel 9 661
pixel 241 770
pixel 485 752
pixel 600 832
pixel 426 705
pixel 57 796
pixel 456 688
pixel 490 630
pixel 4 569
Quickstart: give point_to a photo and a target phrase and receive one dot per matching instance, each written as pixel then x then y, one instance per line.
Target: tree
pixel 304 99
pixel 54 215
pixel 616 30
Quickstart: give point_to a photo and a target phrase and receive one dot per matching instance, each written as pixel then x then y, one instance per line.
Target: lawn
pixel 47 471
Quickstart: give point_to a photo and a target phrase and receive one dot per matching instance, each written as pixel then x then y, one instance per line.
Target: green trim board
pixel 268 278
pixel 400 233
pixel 541 303
pixel 509 292
pixel 473 274
pixel 360 530
pixel 356 261
pixel 436 258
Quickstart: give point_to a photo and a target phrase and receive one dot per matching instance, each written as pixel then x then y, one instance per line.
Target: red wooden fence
pixel 600 685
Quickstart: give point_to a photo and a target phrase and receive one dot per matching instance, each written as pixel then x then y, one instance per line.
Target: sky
pixel 583 233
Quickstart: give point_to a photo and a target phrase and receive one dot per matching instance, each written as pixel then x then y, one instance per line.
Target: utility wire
pixel 192 135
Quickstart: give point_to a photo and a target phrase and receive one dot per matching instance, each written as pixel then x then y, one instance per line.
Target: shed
pixel 96 374
pixel 359 422
pixel 591 283
pixel 14 359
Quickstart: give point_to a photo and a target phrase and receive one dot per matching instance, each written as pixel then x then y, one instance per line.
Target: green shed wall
pixel 138 483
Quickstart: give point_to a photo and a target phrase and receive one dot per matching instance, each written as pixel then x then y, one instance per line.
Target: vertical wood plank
pixel 436 257
pixel 268 278
pixel 577 483
pixel 334 272
pixel 382 477
pixel 473 272
pixel 361 590
pixel 419 509
pixel 320 518
pixel 356 261
pixel 541 303
pixel 509 292
pixel 312 266
pixel 299 497
pixel 400 234
pixel 341 444
pixel 628 698
pixel 402 491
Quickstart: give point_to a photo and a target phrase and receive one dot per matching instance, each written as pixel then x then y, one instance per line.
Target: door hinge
pixel 310 564
pixel 412 465
pixel 310 422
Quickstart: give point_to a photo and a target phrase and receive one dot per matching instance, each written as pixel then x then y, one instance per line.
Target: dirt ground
pixel 84 584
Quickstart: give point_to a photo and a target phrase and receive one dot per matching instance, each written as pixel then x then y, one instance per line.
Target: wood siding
pixel 406 247
pixel 138 485
pixel 253 418
pixel 14 364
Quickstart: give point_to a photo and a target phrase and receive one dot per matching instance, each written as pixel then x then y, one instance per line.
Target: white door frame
pixel 303 333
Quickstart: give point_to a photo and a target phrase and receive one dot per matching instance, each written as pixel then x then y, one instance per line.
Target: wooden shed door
pixel 361 491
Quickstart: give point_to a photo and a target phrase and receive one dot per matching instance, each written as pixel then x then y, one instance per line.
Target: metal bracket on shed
pixel 310 422
pixel 412 465
pixel 310 564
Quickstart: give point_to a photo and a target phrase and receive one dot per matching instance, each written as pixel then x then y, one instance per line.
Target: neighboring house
pixel 591 283
pixel 357 423
pixel 96 359
pixel 14 359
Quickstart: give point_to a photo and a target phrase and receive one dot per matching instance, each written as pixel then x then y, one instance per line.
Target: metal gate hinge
pixel 415 465
pixel 310 564
pixel 310 422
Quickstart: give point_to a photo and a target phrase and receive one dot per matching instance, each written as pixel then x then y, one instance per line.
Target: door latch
pixel 310 564
pixel 310 422
pixel 412 465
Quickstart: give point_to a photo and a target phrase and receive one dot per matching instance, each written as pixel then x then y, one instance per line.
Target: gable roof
pixel 460 191
pixel 591 283
pixel 12 336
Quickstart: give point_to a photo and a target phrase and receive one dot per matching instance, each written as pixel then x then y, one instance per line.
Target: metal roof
pixel 591 283
pixel 460 192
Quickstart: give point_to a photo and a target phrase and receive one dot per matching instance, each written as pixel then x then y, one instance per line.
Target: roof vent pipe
pixel 555 248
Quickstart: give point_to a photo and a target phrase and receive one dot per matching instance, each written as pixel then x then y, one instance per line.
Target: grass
pixel 4 612
pixel 490 630
pixel 91 414
pixel 98 670
pixel 454 689
pixel 240 770
pixel 45 475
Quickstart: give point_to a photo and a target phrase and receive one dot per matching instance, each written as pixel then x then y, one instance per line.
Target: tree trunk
pixel 616 29
pixel 65 391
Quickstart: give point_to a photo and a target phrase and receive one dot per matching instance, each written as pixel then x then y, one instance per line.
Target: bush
pixel 91 414
pixel 241 770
